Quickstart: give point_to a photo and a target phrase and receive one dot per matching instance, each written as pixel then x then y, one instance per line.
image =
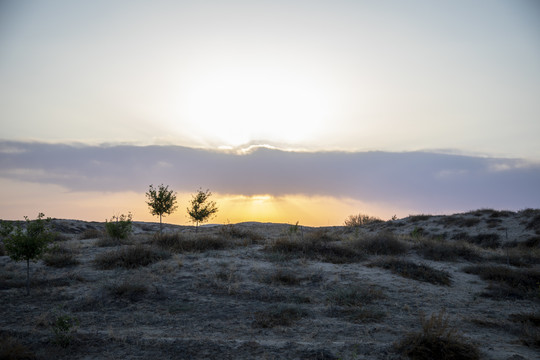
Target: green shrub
pixel 414 271
pixel 119 227
pixel 437 340
pixel 29 244
pixel 129 257
pixel 63 329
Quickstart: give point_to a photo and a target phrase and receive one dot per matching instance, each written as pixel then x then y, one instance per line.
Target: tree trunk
pixel 27 276
pixel 160 226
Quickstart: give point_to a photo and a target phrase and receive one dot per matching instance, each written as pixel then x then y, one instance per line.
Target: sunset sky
pixel 287 110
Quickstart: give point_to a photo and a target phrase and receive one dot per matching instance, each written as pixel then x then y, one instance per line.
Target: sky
pixel 286 110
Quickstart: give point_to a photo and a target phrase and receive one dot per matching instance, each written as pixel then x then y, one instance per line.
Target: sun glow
pixel 236 106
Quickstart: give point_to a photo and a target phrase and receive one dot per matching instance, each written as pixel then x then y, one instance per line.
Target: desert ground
pixel 383 290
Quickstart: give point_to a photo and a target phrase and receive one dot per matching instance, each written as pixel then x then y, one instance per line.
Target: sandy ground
pixel 209 304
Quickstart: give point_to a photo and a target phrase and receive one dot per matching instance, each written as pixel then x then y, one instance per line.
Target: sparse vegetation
pixel 508 282
pixel 440 250
pixel 29 244
pixel 130 289
pixel 201 209
pixel 119 227
pixel 529 327
pixel 60 256
pixel 12 349
pixel 180 243
pixel 419 217
pixel 361 220
pixel 278 315
pixel 161 202
pixel 408 269
pixel 354 295
pixel 129 257
pixel 90 234
pixel 315 248
pixel 63 328
pixel 383 243
pixel 437 340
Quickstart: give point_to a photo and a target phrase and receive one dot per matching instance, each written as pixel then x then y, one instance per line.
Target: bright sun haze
pixel 287 111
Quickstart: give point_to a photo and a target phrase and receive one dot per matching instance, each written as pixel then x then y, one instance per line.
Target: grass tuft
pixel 279 315
pixel 354 295
pixel 508 282
pixel 59 257
pixel 130 257
pixel 384 243
pixel 440 250
pixel 414 271
pixel 180 243
pixel 437 340
pixel 315 247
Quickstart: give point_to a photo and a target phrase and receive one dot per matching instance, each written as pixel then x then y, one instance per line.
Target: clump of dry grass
pixel 414 271
pixel 282 276
pixel 361 220
pixel 437 340
pixel 529 327
pixel 354 295
pixel 358 315
pixel 180 243
pixel 91 234
pixel 383 243
pixel 508 282
pixel 278 315
pixel 485 240
pixel 317 247
pixel 458 221
pixel 441 250
pixel 60 256
pixel 130 257
pixel 419 217
pixel 12 348
pixel 233 232
pixel 128 289
pixel 108 241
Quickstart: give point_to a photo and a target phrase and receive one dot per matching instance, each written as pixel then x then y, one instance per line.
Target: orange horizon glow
pixel 56 202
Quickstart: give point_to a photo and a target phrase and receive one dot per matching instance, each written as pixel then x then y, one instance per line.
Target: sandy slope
pixel 207 305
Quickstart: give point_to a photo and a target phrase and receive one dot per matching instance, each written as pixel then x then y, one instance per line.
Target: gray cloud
pixel 414 179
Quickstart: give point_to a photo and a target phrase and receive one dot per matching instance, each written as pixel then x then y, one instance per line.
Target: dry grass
pixel 130 257
pixel 384 243
pixel 60 256
pixel 458 221
pixel 507 282
pixel 233 232
pixel 354 295
pixel 441 250
pixel 278 315
pixel 485 240
pixel 12 349
pixel 91 234
pixel 529 327
pixel 437 340
pixel 108 241
pixel 181 243
pixel 414 271
pixel 128 289
pixel 358 315
pixel 315 247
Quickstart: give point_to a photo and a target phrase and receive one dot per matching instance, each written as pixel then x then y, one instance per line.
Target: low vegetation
pixel 361 220
pixel 437 340
pixel 278 315
pixel 182 243
pixel 130 257
pixel 384 243
pixel 354 295
pixel 442 250
pixel 507 282
pixel 60 256
pixel 409 269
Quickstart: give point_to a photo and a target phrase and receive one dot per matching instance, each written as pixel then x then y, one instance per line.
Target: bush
pixel 315 248
pixel 180 243
pixel 440 250
pixel 63 329
pixel 280 315
pixel 130 289
pixel 381 244
pixel 420 217
pixel 508 282
pixel 130 257
pixel 235 232
pixel 59 257
pixel 119 227
pixel 361 220
pixel 437 340
pixel 411 270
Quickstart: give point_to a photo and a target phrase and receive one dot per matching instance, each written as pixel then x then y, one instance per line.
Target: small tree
pixel 161 201
pixel 201 209
pixel 30 244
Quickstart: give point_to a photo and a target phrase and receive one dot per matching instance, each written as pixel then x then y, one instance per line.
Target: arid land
pixel 278 291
